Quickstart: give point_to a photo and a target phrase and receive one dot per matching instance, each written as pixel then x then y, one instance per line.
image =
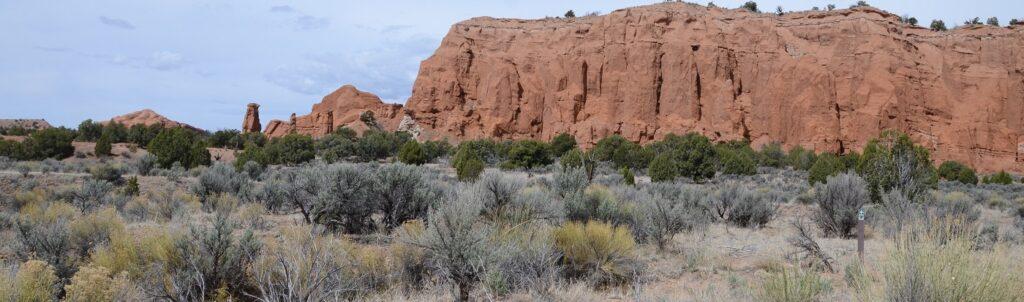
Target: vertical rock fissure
pixel 658 82
pixel 839 124
pixel 699 90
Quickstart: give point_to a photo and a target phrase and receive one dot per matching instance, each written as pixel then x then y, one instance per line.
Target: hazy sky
pixel 200 62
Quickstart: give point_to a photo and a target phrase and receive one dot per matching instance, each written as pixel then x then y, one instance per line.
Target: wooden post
pixel 860 234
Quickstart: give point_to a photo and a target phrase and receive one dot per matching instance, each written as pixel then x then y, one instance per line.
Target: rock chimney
pixel 252 119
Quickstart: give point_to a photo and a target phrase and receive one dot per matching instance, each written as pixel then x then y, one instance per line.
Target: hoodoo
pixel 251 123
pixel 343 107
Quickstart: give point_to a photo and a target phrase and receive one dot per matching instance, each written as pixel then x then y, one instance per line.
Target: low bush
pixel 597 252
pixel 754 209
pixel 955 171
pixel 179 145
pixel 839 199
pixel 598 203
pixel 662 168
pixel 771 155
pixel 793 285
pixel 220 178
pixel 145 164
pixel 95 284
pixel 401 193
pixel 43 233
pixel 524 260
pixel 668 209
pixel 1001 178
pixel 561 143
pixel 825 166
pixel 107 173
pixel 36 281
pixel 326 270
pixel 736 161
pixel 527 154
pixel 621 152
pixel 339 199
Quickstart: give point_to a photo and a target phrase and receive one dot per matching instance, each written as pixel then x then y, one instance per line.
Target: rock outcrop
pixel 251 123
pixel 343 107
pixel 827 80
pixel 27 124
pixel 148 117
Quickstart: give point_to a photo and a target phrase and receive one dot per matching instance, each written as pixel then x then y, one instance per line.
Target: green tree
pixel 751 6
pixel 115 132
pixel 291 149
pixel 696 158
pixel 733 162
pixel 141 135
pixel 49 143
pixel 800 158
pixel 412 153
pixel 570 14
pixel 663 168
pixel 89 131
pixel 468 165
pixel 938 25
pixel 226 138
pixel 103 146
pixel 892 161
pixel 826 165
pixel 562 143
pixel 622 152
pixel 992 21
pixel 178 145
pixel 528 154
pixel 436 149
pixel 13 150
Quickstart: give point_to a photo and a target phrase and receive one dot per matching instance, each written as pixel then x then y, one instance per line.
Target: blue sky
pixel 200 62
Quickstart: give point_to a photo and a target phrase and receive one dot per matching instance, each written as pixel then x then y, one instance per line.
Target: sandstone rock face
pixel 147 117
pixel 251 123
pixel 340 108
pixel 823 80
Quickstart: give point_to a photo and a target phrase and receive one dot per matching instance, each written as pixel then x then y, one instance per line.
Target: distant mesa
pixel 343 107
pixel 27 124
pixel 148 117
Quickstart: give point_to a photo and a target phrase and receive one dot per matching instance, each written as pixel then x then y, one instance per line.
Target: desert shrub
pixel 627 176
pixel 43 232
pixel 179 145
pixel 436 149
pixel 938 25
pixel 23 168
pixel 293 189
pixel 220 178
pixel 771 155
pixel 92 230
pixel 342 202
pixel 668 209
pixel 486 150
pixel 923 269
pixel 568 182
pixel 561 143
pixel 792 285
pixel 753 209
pixel 412 153
pixel 892 161
pixel 252 154
pixel 326 272
pixel 166 203
pixel 408 260
pixel 468 164
pixel 145 164
pixel 92 194
pixel 291 149
pixel 527 154
pixel 735 162
pixel 621 152
pixel 598 252
pixel 826 165
pixel 955 171
pixel 800 158
pixel 253 170
pixel 497 192
pixel 571 159
pixel 13 150
pixel 141 135
pixel 103 146
pixel 36 281
pixel 402 193
pixel 456 242
pixel 203 262
pixel 49 143
pixel 524 260
pixel 839 199
pixel 106 173
pixel 95 284
pixel 1001 178
pixel 226 138
pixel 598 203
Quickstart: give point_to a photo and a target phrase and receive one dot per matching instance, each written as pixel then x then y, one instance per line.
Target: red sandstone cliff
pixel 148 117
pixel 340 108
pixel 825 80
